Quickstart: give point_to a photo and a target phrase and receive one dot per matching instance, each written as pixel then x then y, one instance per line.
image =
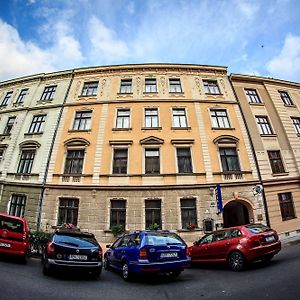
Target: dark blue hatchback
pixel 148 252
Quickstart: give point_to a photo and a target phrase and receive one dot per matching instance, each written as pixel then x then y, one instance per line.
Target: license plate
pixel 270 239
pixel 5 245
pixel 77 257
pixel 168 255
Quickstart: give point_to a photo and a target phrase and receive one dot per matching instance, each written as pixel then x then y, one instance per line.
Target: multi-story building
pixel 272 113
pixel 144 145
pixel 29 112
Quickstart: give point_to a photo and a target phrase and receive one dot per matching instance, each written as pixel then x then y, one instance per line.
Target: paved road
pixel 277 280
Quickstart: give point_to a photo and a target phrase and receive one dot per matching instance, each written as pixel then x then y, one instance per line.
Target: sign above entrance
pixel 218 194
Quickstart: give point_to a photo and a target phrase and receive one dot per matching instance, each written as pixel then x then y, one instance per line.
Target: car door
pixel 201 250
pixel 220 245
pixel 120 251
pixel 111 253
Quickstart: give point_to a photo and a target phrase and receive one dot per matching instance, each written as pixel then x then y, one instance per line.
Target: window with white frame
pixel 48 93
pixel 179 118
pixel 37 124
pixel 211 87
pixel 123 118
pixel 6 99
pixel 26 161
pixel 152 161
pixel 151 117
pixel 82 120
pixel 126 86
pixel 9 125
pixel 90 88
pixel 296 123
pixel 264 125
pixel 175 85
pixel 219 118
pixel 68 211
pixel 286 98
pixel 252 96
pixel 150 85
pixel 17 205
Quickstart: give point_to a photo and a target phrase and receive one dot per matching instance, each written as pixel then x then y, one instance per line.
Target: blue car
pixel 149 252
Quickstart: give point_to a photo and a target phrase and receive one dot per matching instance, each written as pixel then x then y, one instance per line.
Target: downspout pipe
pixel 41 198
pixel 254 155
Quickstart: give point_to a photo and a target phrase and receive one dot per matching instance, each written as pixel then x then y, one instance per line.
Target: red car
pixel 236 246
pixel 14 236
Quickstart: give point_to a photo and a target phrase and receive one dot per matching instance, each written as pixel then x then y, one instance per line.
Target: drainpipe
pixel 254 155
pixel 40 205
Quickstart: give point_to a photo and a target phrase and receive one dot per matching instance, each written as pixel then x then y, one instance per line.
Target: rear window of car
pixel 11 224
pixel 75 240
pixel 257 228
pixel 154 239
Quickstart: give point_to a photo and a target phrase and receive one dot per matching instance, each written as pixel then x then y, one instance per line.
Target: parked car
pixel 72 249
pixel 14 236
pixel 149 252
pixel 236 246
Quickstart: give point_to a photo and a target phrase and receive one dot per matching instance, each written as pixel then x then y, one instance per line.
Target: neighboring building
pixel 29 113
pixel 139 145
pixel 272 112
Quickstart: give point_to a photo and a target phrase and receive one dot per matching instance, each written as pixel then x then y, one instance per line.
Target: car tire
pixel 47 269
pixel 236 261
pixel 126 275
pixel 106 265
pixel 96 273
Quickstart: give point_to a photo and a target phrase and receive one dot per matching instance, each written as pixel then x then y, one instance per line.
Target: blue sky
pixel 258 37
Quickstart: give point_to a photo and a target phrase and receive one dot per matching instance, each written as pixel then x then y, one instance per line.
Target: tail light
pixel 255 241
pixel 187 251
pixel 100 253
pixel 143 254
pixel 50 249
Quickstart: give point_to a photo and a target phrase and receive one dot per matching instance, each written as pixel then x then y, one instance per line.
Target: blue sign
pixel 219 198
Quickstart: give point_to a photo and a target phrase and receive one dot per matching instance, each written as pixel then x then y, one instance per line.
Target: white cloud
pixel 106 46
pixel 286 65
pixel 249 9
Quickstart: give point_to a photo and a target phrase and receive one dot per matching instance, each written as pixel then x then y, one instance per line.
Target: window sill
pixel 151 128
pixel 289 219
pixel 4 135
pixel 181 128
pixel 189 230
pixel 290 105
pixel 150 93
pixel 177 93
pixel 214 94
pixel 79 130
pixel 223 128
pixel 256 103
pixel 280 174
pixel 87 96
pixel 121 129
pixel 125 94
pixel 33 133
pixel 268 135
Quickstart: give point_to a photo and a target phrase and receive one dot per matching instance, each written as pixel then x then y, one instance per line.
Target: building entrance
pixel 235 213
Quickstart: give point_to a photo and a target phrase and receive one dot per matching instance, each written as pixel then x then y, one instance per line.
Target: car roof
pixel 12 217
pixel 73 232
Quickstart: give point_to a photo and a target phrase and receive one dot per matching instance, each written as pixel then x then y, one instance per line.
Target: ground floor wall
pixel 94 208
pixel 285 225
pixel 31 195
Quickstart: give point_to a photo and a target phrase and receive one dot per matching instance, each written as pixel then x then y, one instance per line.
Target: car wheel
pixel 96 273
pixel 46 268
pixel 236 261
pixel 106 265
pixel 125 272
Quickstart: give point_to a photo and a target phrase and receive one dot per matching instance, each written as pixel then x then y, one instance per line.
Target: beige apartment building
pixel 272 113
pixel 29 112
pixel 148 145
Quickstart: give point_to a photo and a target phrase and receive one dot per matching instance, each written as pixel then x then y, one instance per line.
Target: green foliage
pixel 154 226
pixel 38 240
pixel 117 230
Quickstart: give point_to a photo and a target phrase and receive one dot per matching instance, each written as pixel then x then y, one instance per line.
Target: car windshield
pixel 155 239
pixel 11 224
pixel 257 228
pixel 75 240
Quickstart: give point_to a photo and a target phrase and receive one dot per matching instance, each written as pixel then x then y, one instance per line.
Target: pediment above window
pixel 30 145
pixel 120 142
pixel 151 140
pixel 182 141
pixel 76 142
pixel 226 139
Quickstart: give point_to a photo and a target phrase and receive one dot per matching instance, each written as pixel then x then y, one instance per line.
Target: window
pixel 229 159
pixel 120 161
pixel 276 162
pixel 48 93
pixel 126 86
pixel 123 118
pixel 74 162
pixel 17 205
pixel 184 160
pixel 68 211
pixel 152 164
pixel 211 87
pixel 151 117
pixel 175 85
pixel 22 95
pixel 263 125
pixel 188 213
pixel 296 123
pixel 179 117
pixel 150 85
pixel 286 98
pixel 90 88
pixel 82 120
pixel 2 151
pixel 153 212
pixel 252 96
pixel 37 124
pixel 9 125
pixel 219 118
pixel 6 99
pixel 286 206
pixel 117 213
pixel 26 161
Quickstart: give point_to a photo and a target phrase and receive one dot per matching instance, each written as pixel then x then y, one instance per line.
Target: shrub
pixel 117 230
pixel 38 240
